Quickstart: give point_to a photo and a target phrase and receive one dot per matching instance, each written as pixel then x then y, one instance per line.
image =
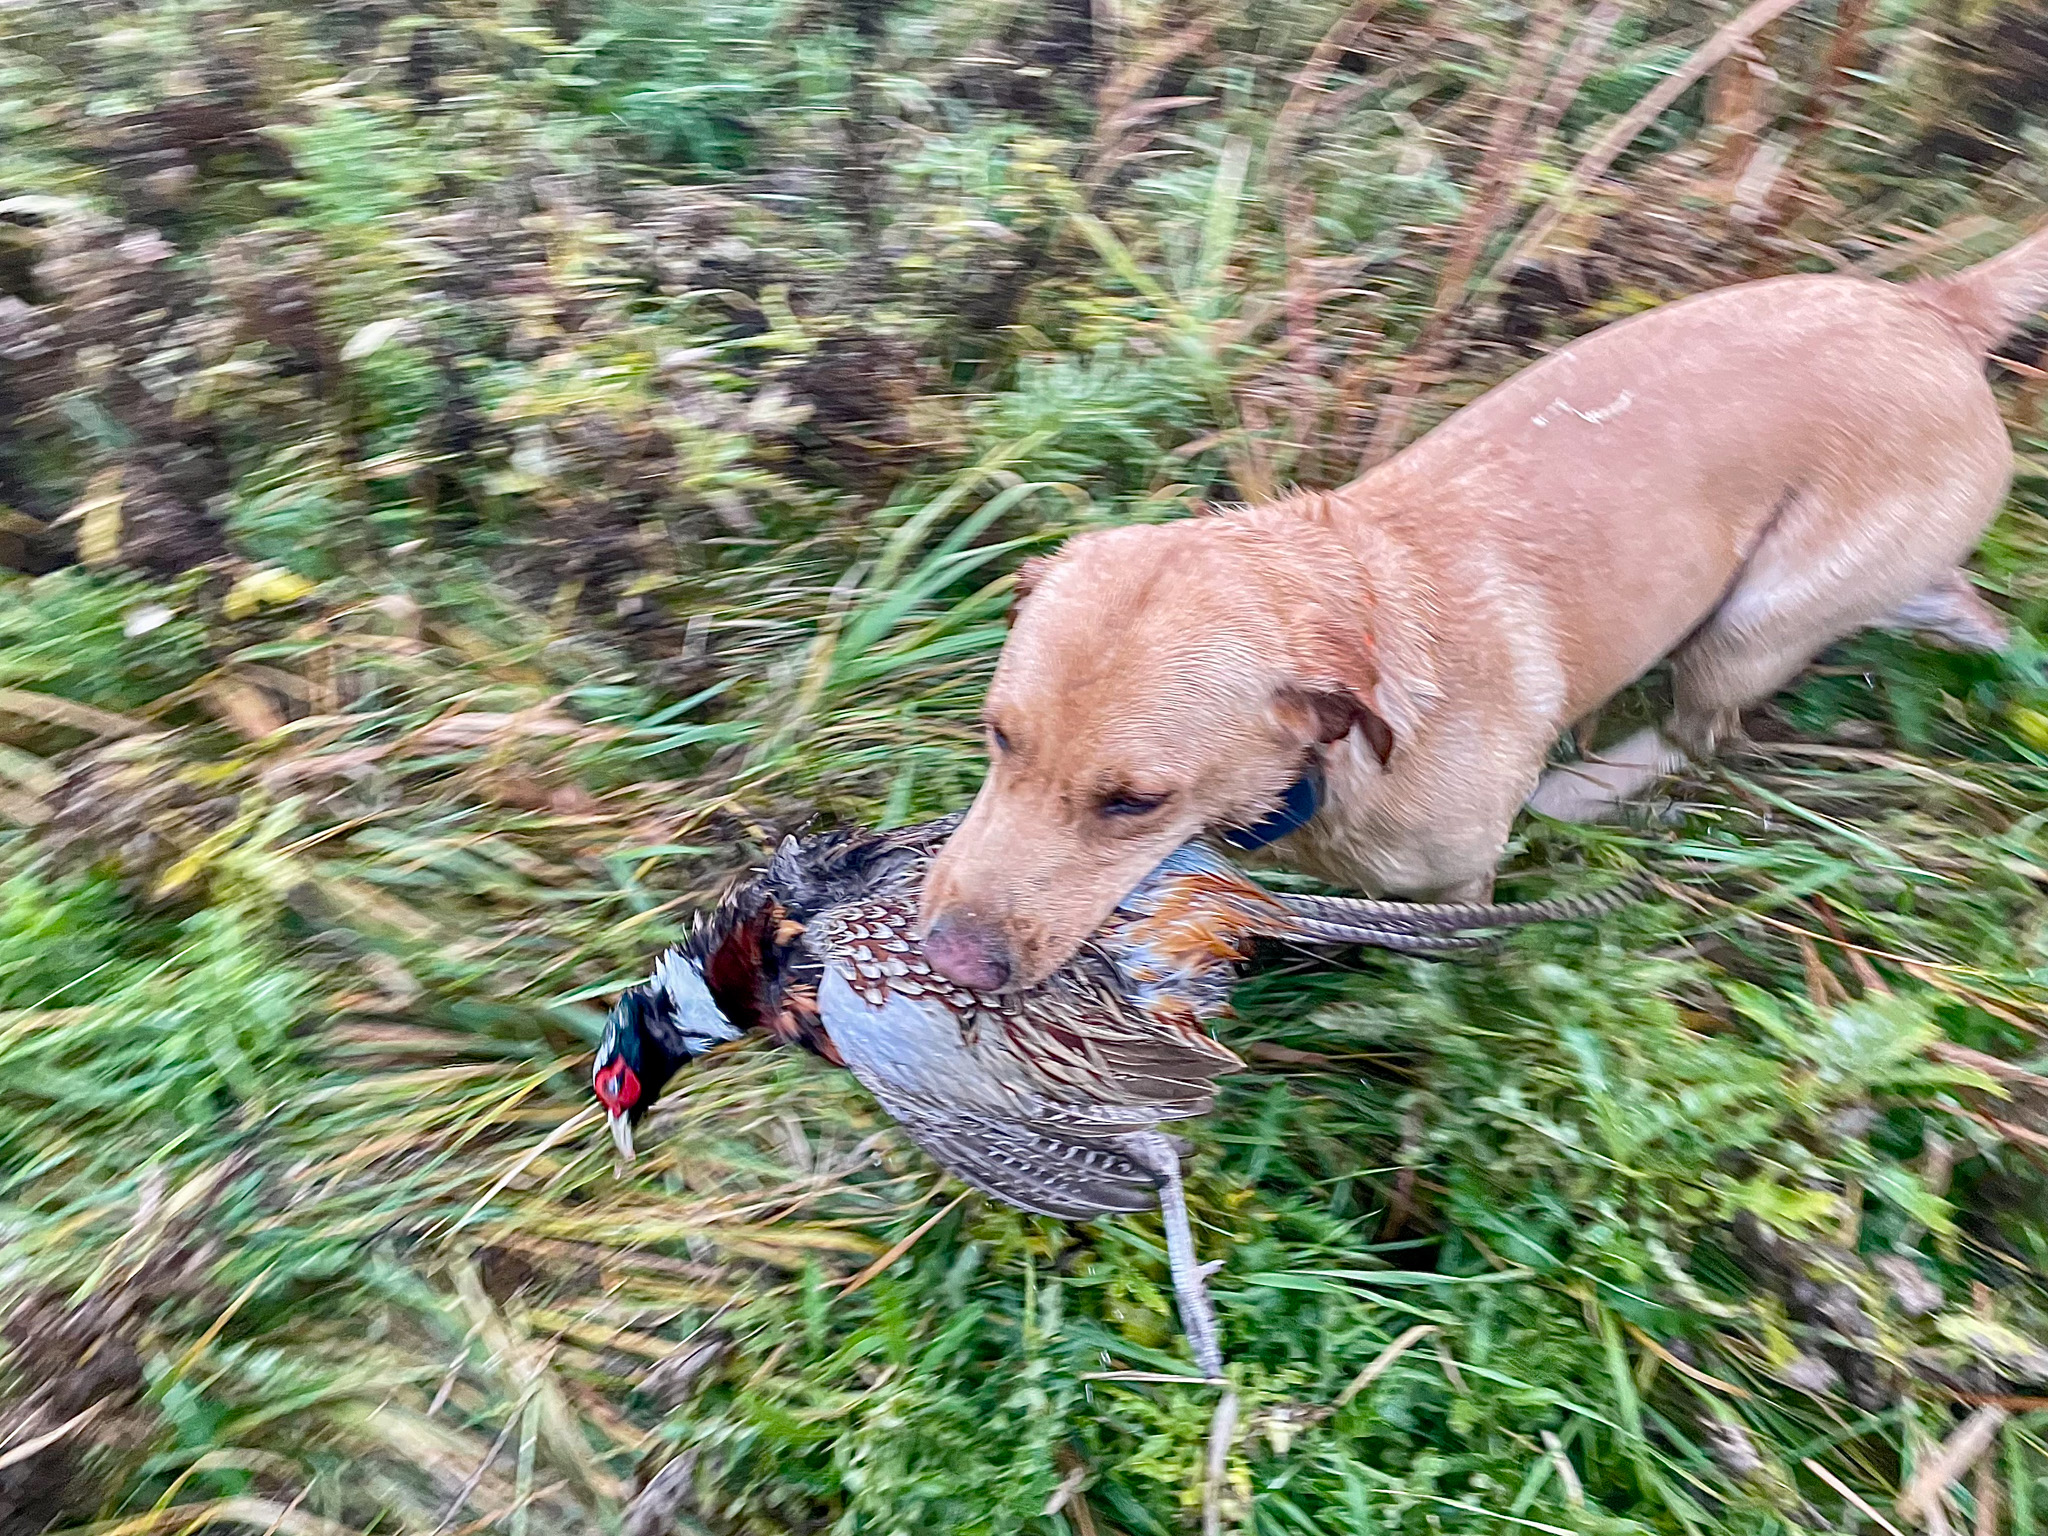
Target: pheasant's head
pixel 653 1029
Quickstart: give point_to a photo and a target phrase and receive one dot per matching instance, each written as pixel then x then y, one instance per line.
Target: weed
pixel 508 464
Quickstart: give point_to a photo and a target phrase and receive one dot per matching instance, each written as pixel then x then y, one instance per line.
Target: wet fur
pixel 1733 482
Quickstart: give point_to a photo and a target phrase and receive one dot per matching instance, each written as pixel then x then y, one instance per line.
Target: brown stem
pixel 1852 19
pixel 1630 126
pixel 1315 74
pixel 1117 107
pixel 1591 37
pixel 1499 173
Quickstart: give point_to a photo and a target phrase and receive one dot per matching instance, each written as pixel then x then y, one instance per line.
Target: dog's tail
pixel 1991 300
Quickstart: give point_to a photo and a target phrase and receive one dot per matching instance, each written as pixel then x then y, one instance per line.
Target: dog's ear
pixel 1342 689
pixel 1029 575
pixel 1323 715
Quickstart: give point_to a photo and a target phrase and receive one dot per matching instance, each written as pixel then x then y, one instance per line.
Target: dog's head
pixel 1157 682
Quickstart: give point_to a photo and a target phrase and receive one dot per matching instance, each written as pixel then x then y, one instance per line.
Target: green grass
pixel 623 420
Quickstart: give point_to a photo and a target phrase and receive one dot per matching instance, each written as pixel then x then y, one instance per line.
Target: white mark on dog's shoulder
pixel 1607 412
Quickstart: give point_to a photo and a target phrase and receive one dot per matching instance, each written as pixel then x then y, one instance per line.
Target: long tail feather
pixel 1314 930
pixel 1418 917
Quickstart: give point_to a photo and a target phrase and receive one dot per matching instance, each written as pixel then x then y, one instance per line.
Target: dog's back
pixel 1823 432
pixel 1732 481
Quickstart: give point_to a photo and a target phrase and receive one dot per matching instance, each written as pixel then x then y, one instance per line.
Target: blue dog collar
pixel 1297 808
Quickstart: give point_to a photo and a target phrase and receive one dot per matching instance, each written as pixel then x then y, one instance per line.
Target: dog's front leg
pixel 1591 788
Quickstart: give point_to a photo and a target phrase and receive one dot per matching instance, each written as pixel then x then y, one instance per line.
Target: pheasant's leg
pixel 1154 1153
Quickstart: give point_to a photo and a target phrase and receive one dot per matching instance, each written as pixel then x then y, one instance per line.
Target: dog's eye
pixel 1128 802
pixel 997 741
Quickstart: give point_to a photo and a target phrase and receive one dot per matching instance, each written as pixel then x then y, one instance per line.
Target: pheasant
pixel 1049 1098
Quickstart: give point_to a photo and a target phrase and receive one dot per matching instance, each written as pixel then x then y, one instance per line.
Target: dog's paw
pixel 1952 612
pixel 1592 789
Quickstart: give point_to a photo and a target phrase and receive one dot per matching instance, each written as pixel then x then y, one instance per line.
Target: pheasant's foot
pixel 1222 1430
pixel 1155 1153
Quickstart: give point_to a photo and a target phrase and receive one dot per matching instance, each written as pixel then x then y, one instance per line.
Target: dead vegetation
pixel 475 476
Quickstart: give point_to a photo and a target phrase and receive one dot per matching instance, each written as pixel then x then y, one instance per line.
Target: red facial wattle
pixel 618 1087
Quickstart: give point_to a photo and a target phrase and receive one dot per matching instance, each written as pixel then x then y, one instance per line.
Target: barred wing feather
pixel 1075 1040
pixel 1040 1154
pixel 1030 1167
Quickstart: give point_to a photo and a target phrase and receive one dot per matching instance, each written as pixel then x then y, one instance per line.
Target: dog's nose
pixel 967 950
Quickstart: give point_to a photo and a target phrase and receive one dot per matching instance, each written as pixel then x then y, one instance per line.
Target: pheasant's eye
pixel 1128 802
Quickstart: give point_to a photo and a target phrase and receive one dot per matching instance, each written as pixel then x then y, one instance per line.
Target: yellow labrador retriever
pixel 1371 678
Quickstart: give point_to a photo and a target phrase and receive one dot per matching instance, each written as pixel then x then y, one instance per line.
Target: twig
pixel 454 1371
pixel 52 710
pixel 1991 1066
pixel 1156 1376
pixel 1976 1000
pixel 2004 1400
pixel 1631 125
pixel 1449 1362
pixel 1987 1499
pixel 1851 1495
pixel 1071 1496
pixel 1567 1474
pixel 462 1496
pixel 767 1367
pixel 2021 1134
pixel 1116 114
pixel 526 1160
pixel 1680 893
pixel 897 1250
pixel 498 1517
pixel 1918 247
pixel 1823 989
pixel 285 1514
pixel 1851 17
pixel 1681 1367
pixel 28 1448
pixel 1385 1358
pixel 1593 31
pixel 1957 1455
pixel 1315 74
pixel 1735 117
pixel 1499 171
pixel 1905 765
pixel 1303 296
pixel 1866 973
pixel 1267 1050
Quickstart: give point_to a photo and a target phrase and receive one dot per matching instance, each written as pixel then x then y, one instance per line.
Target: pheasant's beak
pixel 622 1134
